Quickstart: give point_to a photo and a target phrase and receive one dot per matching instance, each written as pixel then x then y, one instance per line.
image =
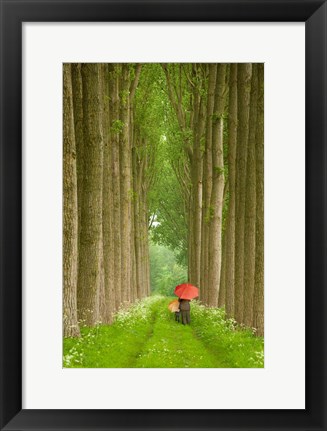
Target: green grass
pixel 147 336
pixel 236 346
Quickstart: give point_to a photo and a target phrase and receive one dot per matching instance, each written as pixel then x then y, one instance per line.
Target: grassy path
pixel 174 345
pixel 147 336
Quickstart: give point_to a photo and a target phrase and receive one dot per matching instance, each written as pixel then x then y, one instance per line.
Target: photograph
pixel 163 215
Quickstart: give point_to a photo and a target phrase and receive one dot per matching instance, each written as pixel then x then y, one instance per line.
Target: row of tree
pixel 219 114
pixel 176 149
pixel 107 174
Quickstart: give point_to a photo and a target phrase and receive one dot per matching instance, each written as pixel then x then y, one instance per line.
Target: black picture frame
pixel 13 14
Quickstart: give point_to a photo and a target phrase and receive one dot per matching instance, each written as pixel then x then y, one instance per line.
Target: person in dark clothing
pixel 185 307
pixel 178 312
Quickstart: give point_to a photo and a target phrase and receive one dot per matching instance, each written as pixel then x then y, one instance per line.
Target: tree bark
pixel 146 263
pixel 222 286
pixel 136 188
pixel 243 103
pixel 250 205
pixel 258 311
pixel 134 228
pixel 89 274
pixel 78 125
pixel 102 290
pixel 125 187
pixel 70 219
pixel 138 177
pixel 115 167
pixel 196 175
pixel 216 202
pixel 230 228
pixel 207 184
pixel 107 194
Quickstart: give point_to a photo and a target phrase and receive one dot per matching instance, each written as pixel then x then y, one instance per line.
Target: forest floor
pixel 147 336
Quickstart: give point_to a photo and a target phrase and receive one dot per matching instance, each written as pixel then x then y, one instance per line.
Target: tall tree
pixel 230 228
pixel 216 201
pixel 258 306
pixel 250 205
pixel 222 284
pixel 78 125
pixel 138 168
pixel 107 196
pixel 115 128
pixel 103 110
pixel 89 273
pixel 125 185
pixel 135 76
pixel 207 183
pixel 243 104
pixel 70 219
pixel 198 107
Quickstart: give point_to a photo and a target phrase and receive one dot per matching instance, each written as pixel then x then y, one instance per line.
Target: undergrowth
pixel 147 336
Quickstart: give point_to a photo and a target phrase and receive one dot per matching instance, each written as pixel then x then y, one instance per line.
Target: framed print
pixel 98 358
pixel 126 139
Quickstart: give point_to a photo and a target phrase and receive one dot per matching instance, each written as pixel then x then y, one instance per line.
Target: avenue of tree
pixel 171 152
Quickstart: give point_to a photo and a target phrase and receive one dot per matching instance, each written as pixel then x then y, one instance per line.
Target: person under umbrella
pixel 185 307
pixel 186 292
pixel 174 308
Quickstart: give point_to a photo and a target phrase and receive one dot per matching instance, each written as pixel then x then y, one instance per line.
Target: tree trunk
pixel 70 219
pixel 107 193
pixel 230 228
pixel 222 286
pixel 216 202
pixel 102 111
pixel 136 213
pixel 115 167
pixel 132 140
pixel 258 306
pixel 125 187
pixel 133 273
pixel 89 273
pixel 243 103
pixel 190 243
pixel 78 124
pixel 207 184
pixel 133 270
pixel 138 176
pixel 250 206
pixel 196 175
pixel 146 248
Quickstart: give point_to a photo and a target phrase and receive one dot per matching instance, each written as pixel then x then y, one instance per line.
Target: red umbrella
pixel 186 291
